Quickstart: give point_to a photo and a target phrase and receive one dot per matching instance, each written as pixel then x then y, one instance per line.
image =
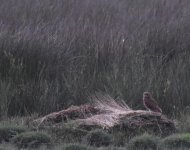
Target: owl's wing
pixel 153 105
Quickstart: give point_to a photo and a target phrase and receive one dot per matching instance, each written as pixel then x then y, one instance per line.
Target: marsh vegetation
pixel 54 54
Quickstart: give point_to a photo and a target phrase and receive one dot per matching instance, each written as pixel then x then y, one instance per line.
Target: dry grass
pixel 53 54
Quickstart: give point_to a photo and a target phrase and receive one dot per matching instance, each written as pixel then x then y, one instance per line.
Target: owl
pixel 150 104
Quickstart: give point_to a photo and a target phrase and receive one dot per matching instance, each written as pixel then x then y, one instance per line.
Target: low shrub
pixel 98 138
pixel 7 147
pixel 176 141
pixel 144 141
pixel 112 148
pixel 32 139
pixel 119 138
pixel 183 122
pixel 68 134
pixel 76 147
pixel 8 132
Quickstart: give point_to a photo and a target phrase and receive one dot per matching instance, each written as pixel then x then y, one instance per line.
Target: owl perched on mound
pixel 150 104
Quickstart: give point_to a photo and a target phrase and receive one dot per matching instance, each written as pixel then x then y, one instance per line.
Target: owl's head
pixel 146 95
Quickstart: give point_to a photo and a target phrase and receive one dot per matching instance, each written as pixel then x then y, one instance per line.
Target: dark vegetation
pixel 144 142
pixel 75 147
pixel 93 140
pixel 56 53
pixel 8 132
pixel 32 139
pixel 177 141
pixel 98 138
pixel 67 134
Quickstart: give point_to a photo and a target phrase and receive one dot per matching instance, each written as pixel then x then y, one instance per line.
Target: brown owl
pixel 150 104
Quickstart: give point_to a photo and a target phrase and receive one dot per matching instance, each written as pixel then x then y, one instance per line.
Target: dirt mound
pixel 106 113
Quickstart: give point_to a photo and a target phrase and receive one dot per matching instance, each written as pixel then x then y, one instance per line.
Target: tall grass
pixel 56 53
